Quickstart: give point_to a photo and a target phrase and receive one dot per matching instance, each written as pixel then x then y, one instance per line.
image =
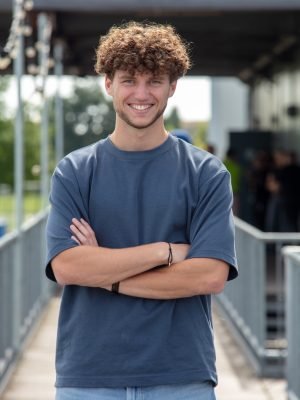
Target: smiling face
pixel 140 99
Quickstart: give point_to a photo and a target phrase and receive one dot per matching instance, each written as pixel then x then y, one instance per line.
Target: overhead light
pixel 262 62
pixel 4 62
pixel 32 69
pixel 246 74
pixel 30 52
pixel 285 43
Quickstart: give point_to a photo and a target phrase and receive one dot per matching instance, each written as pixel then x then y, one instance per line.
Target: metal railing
pixel 24 290
pixel 292 266
pixel 254 304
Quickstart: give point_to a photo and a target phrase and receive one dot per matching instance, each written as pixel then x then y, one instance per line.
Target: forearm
pixel 185 279
pixel 100 267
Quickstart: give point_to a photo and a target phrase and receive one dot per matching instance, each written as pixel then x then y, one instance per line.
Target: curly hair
pixel 143 47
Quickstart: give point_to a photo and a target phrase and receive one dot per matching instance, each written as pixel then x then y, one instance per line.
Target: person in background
pixel 283 207
pixel 258 194
pixel 140 235
pixel 183 135
pixel 235 170
pixel 211 148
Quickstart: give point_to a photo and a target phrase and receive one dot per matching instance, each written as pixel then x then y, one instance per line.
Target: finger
pixel 75 240
pixel 80 226
pixel 87 226
pixel 79 235
pixel 85 238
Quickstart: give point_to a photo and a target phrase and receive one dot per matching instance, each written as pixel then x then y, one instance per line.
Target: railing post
pixel 254 303
pixel 18 175
pixel 42 26
pixel 59 112
pixel 292 269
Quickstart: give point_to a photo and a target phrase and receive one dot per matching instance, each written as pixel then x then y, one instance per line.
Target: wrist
pixel 162 253
pixel 170 256
pixel 115 287
pixel 165 253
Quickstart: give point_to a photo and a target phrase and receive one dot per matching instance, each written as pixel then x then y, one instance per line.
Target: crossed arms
pixel 92 265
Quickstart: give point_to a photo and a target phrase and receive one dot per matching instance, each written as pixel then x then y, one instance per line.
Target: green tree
pixel 200 134
pixel 6 137
pixel 89 116
pixel 173 120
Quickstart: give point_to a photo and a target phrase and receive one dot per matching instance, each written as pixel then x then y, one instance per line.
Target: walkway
pixel 34 376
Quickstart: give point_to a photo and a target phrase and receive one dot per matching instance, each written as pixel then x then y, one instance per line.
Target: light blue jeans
pixel 194 391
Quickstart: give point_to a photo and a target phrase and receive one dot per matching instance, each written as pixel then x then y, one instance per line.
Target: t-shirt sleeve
pixel 66 203
pixel 212 225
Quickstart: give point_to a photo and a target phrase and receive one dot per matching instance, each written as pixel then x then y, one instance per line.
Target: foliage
pixel 32 205
pixel 6 137
pixel 173 121
pixel 200 134
pixel 4 83
pixel 31 148
pixel 89 116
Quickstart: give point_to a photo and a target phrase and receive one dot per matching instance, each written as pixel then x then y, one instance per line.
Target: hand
pixel 83 234
pixel 180 251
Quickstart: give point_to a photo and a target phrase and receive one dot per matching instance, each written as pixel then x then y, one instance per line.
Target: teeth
pixel 140 107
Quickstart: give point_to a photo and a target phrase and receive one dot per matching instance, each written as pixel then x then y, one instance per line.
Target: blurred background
pixel 240 101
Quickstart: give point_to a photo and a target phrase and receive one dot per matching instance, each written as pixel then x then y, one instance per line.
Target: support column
pixel 18 186
pixel 42 26
pixel 59 111
pixel 44 33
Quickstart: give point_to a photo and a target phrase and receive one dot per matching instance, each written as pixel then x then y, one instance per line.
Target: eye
pixel 128 81
pixel 156 82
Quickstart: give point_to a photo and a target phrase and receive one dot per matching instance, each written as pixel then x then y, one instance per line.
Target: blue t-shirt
pixel 174 193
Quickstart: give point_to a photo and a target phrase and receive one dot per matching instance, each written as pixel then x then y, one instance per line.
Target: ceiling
pixel 228 39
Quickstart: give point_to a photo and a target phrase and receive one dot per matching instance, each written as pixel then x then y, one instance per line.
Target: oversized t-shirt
pixel 173 193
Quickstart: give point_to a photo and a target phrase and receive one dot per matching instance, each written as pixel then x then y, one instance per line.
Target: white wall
pixel 229 111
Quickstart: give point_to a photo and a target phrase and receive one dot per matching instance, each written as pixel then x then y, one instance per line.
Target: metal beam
pixel 129 5
pixel 59 112
pixel 18 182
pixel 42 26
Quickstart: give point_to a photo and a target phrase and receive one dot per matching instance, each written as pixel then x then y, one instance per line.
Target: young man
pixel 140 234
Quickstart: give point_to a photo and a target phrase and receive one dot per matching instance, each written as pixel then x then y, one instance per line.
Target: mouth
pixel 140 107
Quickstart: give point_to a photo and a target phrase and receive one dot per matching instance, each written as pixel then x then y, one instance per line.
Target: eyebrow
pixel 126 75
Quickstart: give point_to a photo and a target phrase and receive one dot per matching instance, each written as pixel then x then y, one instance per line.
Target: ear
pixel 108 85
pixel 172 88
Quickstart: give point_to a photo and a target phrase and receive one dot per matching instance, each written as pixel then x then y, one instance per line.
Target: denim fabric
pixel 194 391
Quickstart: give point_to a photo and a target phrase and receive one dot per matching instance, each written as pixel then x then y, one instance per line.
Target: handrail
pixel 24 289
pixel 292 269
pixel 266 237
pixel 293 252
pixel 254 304
pixel 27 225
pixel 35 219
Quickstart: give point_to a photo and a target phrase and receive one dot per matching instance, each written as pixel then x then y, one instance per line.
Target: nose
pixel 141 91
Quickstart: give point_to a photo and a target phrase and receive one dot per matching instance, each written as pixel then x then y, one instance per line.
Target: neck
pixel 133 139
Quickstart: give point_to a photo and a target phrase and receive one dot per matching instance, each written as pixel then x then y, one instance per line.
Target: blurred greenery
pixel 200 134
pixel 6 136
pixel 173 120
pixel 89 115
pixel 32 205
